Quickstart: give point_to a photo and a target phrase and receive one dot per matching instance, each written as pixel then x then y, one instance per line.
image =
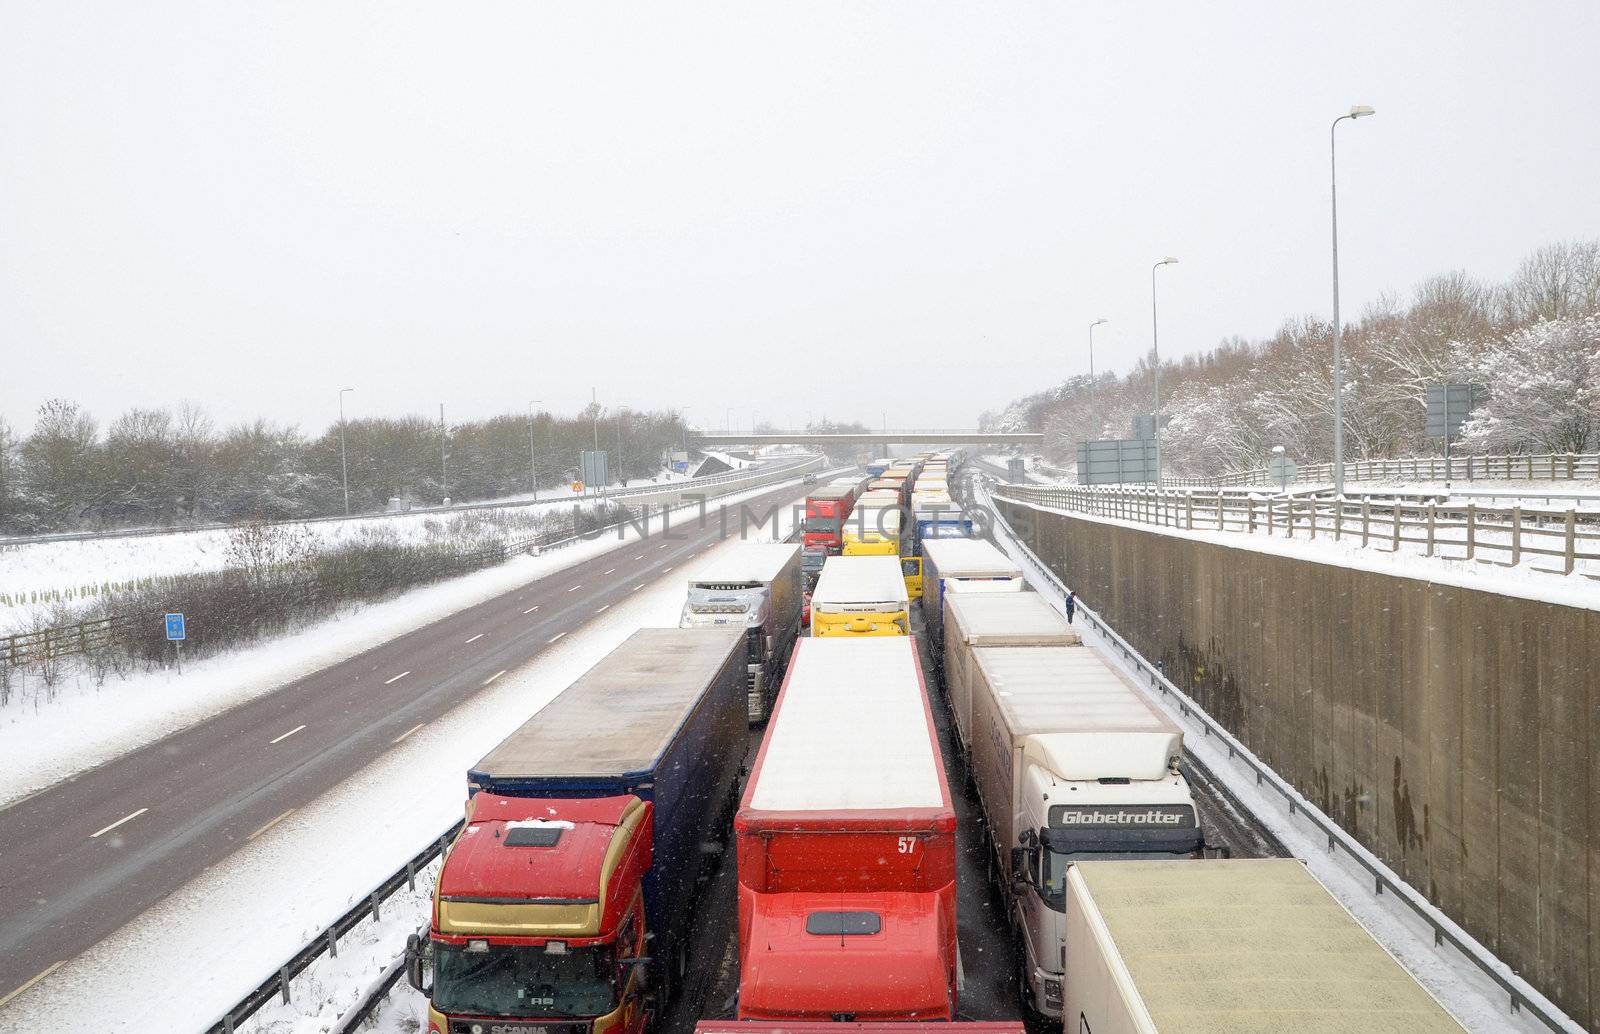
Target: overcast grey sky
pixel 837 209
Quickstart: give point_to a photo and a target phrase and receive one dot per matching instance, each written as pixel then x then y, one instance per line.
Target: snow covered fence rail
pixel 1504 535
pixel 1521 996
pixel 326 942
pixel 1567 466
pixel 46 644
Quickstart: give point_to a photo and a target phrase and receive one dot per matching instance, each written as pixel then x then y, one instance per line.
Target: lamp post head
pixel 1362 111
pixel 1168 261
pixel 1277 450
pixel 1096 323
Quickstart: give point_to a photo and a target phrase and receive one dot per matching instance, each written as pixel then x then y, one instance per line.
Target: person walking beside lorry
pixel 1072 605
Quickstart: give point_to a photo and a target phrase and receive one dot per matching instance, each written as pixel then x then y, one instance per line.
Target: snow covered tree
pixel 1543 384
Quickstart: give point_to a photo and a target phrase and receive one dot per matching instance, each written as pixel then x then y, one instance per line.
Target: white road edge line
pixel 397 678
pixel 408 732
pixel 114 825
pixel 475 638
pixel 269 825
pixel 531 609
pixel 496 675
pixel 286 735
pixel 558 635
pixel 43 973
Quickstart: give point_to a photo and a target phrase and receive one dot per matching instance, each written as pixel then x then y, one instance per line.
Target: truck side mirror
pixel 416 957
pixel 1021 866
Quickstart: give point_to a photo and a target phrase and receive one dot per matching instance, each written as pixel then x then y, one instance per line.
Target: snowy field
pixel 84 724
pixel 170 970
pixel 1473 998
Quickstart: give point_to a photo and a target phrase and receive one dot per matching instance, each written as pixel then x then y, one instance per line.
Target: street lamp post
pixel 1093 325
pixel 1359 111
pixel 344 462
pixel 533 462
pixel 1155 347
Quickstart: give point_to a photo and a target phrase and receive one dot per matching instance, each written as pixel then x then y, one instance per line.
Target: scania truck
pixel 1072 762
pixel 564 902
pixel 754 586
pixel 845 842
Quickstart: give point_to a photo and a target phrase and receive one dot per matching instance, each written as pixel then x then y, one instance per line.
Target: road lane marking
pixel 558 635
pixel 286 735
pixel 612 571
pixel 639 557
pixel 575 588
pixel 475 638
pixel 662 546
pixel 114 825
pixel 269 825
pixel 397 678
pixel 603 609
pixel 664 570
pixel 636 588
pixel 531 609
pixel 414 728
pixel 496 675
pixel 44 973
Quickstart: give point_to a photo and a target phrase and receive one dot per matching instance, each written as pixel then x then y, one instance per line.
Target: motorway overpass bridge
pixel 721 439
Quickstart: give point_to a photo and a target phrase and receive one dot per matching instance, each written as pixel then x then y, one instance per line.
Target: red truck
pixel 845 842
pixel 826 510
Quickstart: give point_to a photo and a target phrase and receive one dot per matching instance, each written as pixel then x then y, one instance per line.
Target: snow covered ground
pixel 1473 998
pixel 184 962
pixel 85 724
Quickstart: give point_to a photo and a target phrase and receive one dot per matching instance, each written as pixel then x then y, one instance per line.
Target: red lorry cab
pixel 826 510
pixel 845 842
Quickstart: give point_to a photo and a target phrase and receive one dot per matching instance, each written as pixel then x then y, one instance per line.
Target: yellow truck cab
pixel 911 571
pixel 876 527
pixel 861 595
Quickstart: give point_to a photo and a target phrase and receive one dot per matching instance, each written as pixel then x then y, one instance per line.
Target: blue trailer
pixel 617 782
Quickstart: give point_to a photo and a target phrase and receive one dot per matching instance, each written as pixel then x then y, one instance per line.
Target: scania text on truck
pixel 959 565
pixel 860 596
pixel 971 620
pixel 845 842
pixel 1071 761
pixel 754 586
pixel 1236 946
pixel 564 902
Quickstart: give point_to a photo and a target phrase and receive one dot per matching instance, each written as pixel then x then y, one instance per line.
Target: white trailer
pixel 1238 946
pixel 755 586
pixel 973 620
pixel 1071 761
pixel 962 565
pixel 860 595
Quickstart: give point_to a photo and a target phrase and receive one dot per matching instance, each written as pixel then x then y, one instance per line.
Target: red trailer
pixel 826 510
pixel 846 844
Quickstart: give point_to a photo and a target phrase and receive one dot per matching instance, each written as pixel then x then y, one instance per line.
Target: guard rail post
pixel 1472 538
pixel 1516 535
pixel 1572 540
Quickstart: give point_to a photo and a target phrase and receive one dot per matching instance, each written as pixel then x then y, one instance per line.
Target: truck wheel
pixel 1030 1015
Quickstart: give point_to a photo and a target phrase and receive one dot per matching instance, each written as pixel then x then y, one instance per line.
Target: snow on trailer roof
pixel 1240 946
pixel 956 558
pixel 1004 618
pixel 1046 689
pixel 851 731
pixel 861 579
pixel 620 716
pixel 747 562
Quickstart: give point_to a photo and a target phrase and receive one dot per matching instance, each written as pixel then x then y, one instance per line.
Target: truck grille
pixel 515 1027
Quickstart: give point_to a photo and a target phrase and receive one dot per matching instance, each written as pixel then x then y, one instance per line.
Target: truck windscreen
pixel 524 981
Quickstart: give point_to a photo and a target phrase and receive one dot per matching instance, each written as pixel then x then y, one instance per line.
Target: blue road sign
pixel 175 629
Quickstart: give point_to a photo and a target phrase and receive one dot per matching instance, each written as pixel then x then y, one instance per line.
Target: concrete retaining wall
pixel 1455 732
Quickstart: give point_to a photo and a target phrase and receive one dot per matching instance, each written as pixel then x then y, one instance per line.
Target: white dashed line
pixel 43 973
pixel 114 825
pixel 612 571
pixel 558 635
pixel 662 546
pixel 397 678
pixel 664 570
pixel 603 609
pixel 270 824
pixel 575 588
pixel 409 731
pixel 639 557
pixel 491 678
pixel 531 609
pixel 636 588
pixel 475 638
pixel 286 735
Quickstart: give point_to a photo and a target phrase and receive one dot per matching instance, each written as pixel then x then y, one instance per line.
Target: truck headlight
pixel 1052 991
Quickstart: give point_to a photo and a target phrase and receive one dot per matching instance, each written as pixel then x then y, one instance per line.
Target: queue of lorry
pixel 564 905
